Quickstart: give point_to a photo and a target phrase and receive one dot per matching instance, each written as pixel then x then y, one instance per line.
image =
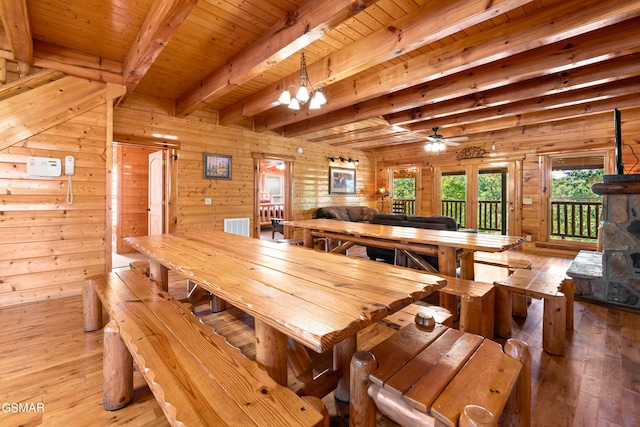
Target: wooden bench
pixel 408 314
pixel 477 304
pixel 197 377
pixel 557 294
pixel 441 376
pixel 520 304
pixel 502 259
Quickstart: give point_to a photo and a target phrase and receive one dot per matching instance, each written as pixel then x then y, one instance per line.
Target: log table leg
pixel 342 354
pixel 117 369
pixel 159 274
pixel 554 322
pixel 271 351
pixel 307 238
pixel 91 307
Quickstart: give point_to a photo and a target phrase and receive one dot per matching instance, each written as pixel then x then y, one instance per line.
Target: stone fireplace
pixel 613 275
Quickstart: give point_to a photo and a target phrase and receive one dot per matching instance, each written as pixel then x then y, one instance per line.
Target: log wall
pixel 234 198
pixel 48 247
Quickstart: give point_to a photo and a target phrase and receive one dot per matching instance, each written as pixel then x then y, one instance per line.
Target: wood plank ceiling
pixel 393 69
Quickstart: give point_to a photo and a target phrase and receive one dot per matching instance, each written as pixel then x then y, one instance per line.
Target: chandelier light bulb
pixel 303 94
pixel 285 97
pixel 314 105
pixel 294 104
pixel 319 98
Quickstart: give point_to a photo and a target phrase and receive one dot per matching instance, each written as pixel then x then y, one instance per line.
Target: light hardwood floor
pixel 46 358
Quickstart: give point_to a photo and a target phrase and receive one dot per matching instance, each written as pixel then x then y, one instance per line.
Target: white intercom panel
pixel 69 165
pixel 43 166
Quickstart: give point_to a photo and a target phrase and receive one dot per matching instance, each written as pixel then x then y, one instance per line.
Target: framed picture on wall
pixel 217 166
pixel 342 180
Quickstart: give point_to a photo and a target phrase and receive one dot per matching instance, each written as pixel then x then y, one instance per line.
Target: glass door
pixel 480 197
pixel 403 190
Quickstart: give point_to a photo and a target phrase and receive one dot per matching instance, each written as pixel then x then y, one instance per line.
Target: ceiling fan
pixel 438 142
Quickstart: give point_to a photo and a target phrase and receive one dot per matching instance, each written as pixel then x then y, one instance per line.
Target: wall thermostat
pixel 43 166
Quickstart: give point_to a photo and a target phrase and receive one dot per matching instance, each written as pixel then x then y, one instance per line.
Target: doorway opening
pixel 139 183
pixel 404 190
pixel 274 195
pixel 574 209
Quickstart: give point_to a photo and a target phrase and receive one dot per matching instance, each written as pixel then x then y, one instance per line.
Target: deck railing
pixel 270 210
pixel 577 219
pixel 489 213
pixel 404 206
pixel 456 209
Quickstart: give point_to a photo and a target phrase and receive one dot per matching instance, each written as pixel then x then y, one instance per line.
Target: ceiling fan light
pixel 294 104
pixel 285 97
pixel 441 146
pixel 303 94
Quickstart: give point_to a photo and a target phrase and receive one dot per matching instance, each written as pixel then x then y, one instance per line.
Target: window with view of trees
pixel 575 209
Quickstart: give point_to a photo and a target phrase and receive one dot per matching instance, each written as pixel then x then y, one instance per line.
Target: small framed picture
pixel 342 180
pixel 217 166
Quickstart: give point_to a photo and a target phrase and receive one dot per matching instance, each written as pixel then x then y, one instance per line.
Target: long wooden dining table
pixel 318 299
pixel 450 247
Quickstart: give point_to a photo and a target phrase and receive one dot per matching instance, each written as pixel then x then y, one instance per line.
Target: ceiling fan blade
pixel 457 139
pixel 451 143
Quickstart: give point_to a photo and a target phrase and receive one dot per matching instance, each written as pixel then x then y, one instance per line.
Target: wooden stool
pixel 418 376
pixel 558 306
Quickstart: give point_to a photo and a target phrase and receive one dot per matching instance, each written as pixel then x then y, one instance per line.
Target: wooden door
pixel 156 192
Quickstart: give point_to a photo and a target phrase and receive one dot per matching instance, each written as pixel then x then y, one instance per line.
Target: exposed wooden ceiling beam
pixel 35 80
pixel 78 64
pixel 29 113
pixel 584 77
pixel 582 109
pixel 432 22
pixel 581 96
pixel 553 25
pixel 593 48
pixel 161 23
pixel 15 20
pixel 311 21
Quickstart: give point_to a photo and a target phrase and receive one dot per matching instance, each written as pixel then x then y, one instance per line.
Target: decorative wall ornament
pixel 472 152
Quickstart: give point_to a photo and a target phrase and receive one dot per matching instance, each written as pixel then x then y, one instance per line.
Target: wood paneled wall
pixel 530 143
pixel 235 198
pixel 48 247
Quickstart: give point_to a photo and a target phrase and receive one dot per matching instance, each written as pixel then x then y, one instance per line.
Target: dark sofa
pixel 346 213
pixel 429 222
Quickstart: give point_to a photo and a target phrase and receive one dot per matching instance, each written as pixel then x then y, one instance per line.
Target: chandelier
pixel 304 93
